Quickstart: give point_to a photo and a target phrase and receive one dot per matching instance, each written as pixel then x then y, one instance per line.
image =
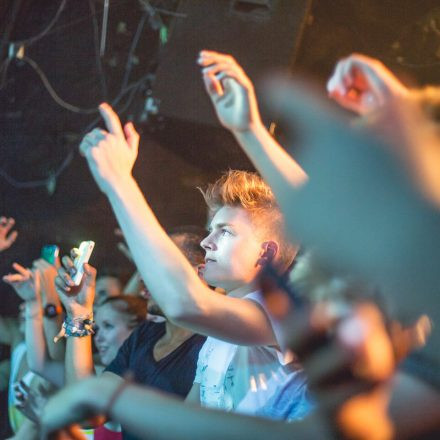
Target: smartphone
pixel 50 252
pixel 85 251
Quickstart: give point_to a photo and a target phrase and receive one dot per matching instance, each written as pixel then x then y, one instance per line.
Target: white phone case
pixel 85 251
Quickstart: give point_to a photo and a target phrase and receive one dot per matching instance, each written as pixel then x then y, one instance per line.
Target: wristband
pixel 76 327
pixel 52 310
pixel 118 391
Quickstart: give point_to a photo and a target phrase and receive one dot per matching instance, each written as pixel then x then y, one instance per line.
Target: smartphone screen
pixel 50 252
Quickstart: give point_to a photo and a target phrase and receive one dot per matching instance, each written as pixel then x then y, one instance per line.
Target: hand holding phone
pixel 84 253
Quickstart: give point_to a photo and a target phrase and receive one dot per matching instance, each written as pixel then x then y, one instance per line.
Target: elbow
pixel 184 313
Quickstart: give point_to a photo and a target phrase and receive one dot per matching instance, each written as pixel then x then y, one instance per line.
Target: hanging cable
pixel 44 32
pixel 131 89
pixel 99 65
pixel 134 43
pixel 52 93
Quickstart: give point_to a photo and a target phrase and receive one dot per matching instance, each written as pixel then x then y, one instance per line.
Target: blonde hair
pixel 248 190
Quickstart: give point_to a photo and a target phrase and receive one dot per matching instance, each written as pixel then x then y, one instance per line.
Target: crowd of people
pixel 308 310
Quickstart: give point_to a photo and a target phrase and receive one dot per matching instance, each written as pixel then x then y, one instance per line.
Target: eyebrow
pixel 220 225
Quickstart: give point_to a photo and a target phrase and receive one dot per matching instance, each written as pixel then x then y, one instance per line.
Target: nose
pixel 207 243
pixel 99 336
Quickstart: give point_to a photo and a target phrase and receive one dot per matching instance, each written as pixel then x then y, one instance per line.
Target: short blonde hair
pixel 249 191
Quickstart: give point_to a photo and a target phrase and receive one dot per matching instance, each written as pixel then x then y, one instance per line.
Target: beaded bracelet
pixel 76 327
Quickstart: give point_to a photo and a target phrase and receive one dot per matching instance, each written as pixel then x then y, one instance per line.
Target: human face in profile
pixel 232 249
pixel 113 330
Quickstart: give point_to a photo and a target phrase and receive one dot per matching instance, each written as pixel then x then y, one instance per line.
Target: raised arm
pixel 141 411
pixel 167 273
pixel 78 302
pixel 51 324
pixel 27 284
pixel 233 96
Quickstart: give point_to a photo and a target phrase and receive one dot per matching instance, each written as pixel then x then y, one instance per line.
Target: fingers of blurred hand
pixel 309 328
pixel 329 365
pixel 13 278
pixel 22 270
pixel 24 386
pixel 63 281
pixel 90 273
pixel 69 433
pixel 131 136
pixel 366 337
pixel 331 398
pixel 18 392
pixel 213 86
pixel 207 57
pixel 91 139
pixel 68 264
pixel 6 224
pixel 111 119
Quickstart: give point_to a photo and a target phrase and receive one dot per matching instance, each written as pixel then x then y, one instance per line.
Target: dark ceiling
pixel 44 183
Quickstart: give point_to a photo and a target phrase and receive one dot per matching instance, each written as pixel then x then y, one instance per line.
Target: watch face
pixel 50 311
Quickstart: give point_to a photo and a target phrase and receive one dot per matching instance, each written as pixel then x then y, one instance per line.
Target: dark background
pixel 37 136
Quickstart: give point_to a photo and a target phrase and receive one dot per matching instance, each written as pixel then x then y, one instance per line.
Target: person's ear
pixel 269 250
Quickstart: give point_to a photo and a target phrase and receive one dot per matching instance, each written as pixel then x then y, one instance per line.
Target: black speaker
pixel 261 34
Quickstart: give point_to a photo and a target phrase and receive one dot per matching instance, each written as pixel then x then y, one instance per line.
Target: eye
pixel 225 232
pixel 107 326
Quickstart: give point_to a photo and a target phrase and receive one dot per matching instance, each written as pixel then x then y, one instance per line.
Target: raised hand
pixel 348 361
pixel 6 236
pixel 25 282
pixel 363 84
pixel 78 300
pixel 30 401
pixel 47 274
pixel 84 400
pixel 231 91
pixel 110 154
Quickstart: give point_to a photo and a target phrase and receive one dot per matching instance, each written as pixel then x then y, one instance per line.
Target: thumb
pixel 90 273
pixel 131 136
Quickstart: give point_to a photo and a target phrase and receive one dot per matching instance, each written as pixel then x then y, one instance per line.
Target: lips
pixel 102 350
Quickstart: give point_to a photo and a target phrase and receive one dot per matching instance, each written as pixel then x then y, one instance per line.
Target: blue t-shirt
pixel 173 374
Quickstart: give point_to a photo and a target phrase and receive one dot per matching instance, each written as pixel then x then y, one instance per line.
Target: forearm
pixel 170 278
pixel 35 342
pixel 52 326
pixel 37 356
pixel 79 359
pixel 147 414
pixel 277 167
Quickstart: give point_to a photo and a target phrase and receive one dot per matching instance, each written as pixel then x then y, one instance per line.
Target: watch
pixel 51 310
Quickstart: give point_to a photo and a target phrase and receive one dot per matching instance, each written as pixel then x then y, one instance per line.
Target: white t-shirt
pixel 254 380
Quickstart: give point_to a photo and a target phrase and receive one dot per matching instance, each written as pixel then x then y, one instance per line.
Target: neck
pixel 240 292
pixel 173 332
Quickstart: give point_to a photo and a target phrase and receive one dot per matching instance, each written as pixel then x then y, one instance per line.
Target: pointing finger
pixel 111 120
